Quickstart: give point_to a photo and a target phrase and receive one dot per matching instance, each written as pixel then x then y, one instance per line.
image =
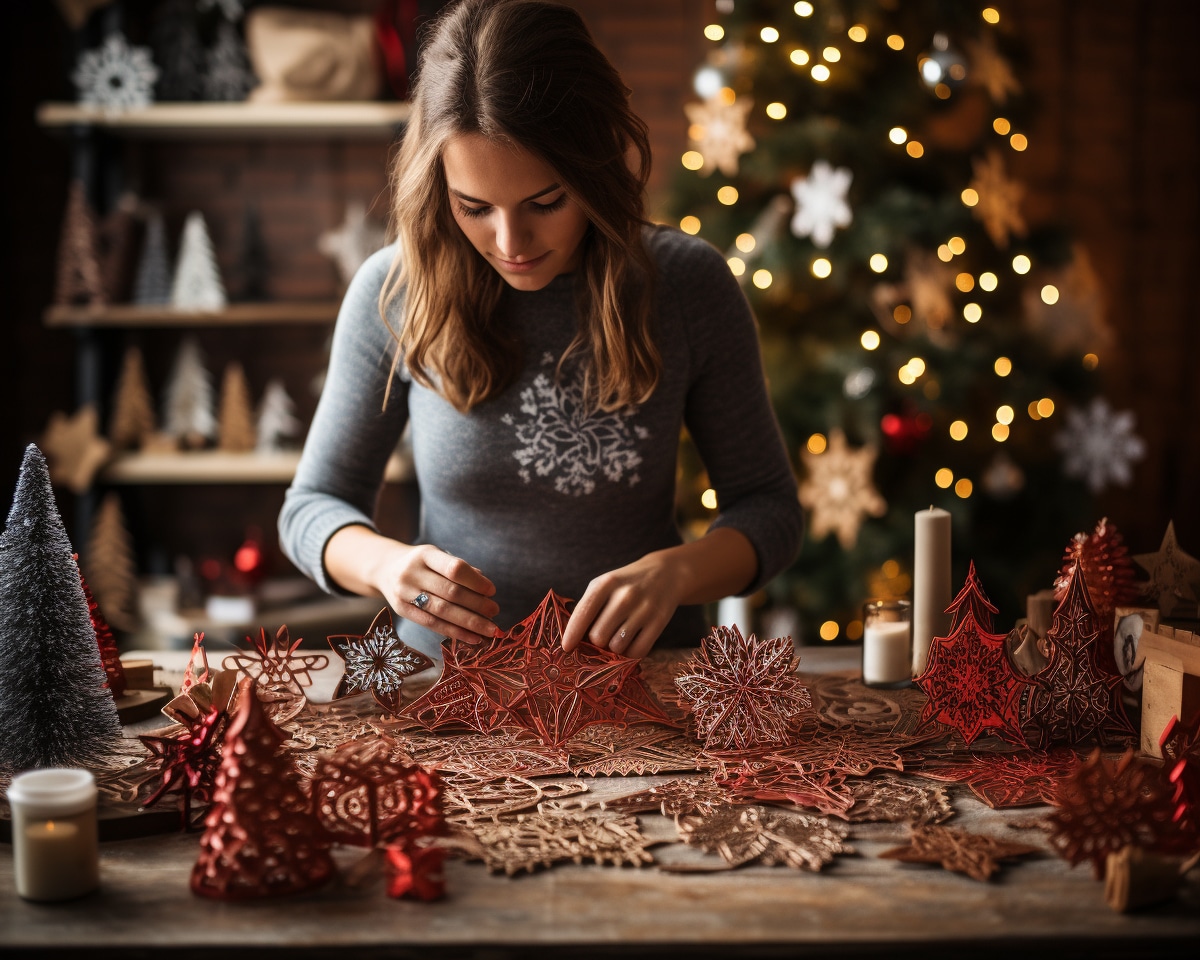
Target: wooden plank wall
pixel 1114 151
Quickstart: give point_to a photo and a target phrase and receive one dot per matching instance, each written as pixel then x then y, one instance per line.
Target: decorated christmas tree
pixel 925 342
pixel 55 706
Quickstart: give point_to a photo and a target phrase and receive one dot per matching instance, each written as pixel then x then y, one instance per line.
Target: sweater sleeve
pixel 728 412
pixel 341 469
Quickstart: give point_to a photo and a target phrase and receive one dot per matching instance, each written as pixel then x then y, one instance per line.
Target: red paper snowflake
pixel 970 683
pixel 377 662
pixel 743 692
pixel 524 679
pixel 1004 780
pixel 186 763
pixel 280 673
pixel 1180 746
pixel 782 782
pixel 1075 699
pixel 261 838
pixel 1104 807
pixel 361 797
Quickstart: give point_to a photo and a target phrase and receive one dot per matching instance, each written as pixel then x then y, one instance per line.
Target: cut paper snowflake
pixel 990 70
pixel 353 241
pixel 1003 780
pixel 115 76
pixel 821 205
pixel 717 130
pixel 608 751
pixel 754 834
pixel 892 799
pixel 524 679
pixel 561 439
pixel 1174 574
pixel 377 662
pixel 673 798
pixel 279 672
pixel 974 854
pixel 1099 445
pixel 838 489
pixel 744 692
pixel 999 205
pixel 186 763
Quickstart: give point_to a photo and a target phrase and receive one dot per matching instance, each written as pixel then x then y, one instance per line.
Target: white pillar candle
pixel 56 849
pixel 931 583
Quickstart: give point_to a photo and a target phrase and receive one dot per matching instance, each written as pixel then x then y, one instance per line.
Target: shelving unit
pixel 234 315
pixel 220 466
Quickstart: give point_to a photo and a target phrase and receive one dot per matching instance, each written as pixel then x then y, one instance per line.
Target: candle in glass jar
pixel 56 849
pixel 931 583
pixel 887 643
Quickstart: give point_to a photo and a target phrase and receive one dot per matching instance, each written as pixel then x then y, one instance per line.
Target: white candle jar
pixel 55 834
pixel 887 643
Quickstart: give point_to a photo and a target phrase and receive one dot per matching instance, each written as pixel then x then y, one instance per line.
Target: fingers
pixel 459 604
pixel 616 617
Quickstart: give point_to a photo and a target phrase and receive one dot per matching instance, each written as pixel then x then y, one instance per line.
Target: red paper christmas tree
pixel 1077 698
pixel 110 656
pixel 970 683
pixel 261 838
pixel 524 679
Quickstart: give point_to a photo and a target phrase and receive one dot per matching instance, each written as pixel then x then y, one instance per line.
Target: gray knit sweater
pixel 526 487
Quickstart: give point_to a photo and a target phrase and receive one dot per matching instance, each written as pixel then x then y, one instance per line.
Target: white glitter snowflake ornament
pixel 1099 445
pixel 377 662
pixel 821 205
pixel 115 76
pixel 717 129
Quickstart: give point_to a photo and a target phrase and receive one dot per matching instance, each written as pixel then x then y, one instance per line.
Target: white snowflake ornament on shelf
pixel 197 283
pixel 717 130
pixel 1099 445
pixel 821 205
pixel 115 76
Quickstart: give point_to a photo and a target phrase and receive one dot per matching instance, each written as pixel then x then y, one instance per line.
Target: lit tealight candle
pixel 887 643
pixel 56 849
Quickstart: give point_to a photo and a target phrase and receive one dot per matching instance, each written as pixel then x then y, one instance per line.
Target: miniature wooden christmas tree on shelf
pixel 79 277
pixel 132 421
pixel 235 421
pixel 55 707
pixel 110 564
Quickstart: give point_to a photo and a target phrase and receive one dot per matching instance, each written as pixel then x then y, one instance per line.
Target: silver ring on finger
pixel 420 601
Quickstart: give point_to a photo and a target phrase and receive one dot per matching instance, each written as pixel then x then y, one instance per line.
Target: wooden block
pixel 139 674
pixel 1162 696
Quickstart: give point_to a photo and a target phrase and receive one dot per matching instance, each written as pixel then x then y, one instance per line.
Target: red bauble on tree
pixel 970 683
pixel 261 838
pixel 1077 698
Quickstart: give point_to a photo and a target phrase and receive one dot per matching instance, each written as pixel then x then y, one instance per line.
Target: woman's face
pixel 512 208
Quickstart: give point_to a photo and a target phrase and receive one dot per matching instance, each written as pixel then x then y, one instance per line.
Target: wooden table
pixel 859 905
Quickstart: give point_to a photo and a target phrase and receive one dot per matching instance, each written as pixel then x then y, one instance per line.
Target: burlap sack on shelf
pixel 309 55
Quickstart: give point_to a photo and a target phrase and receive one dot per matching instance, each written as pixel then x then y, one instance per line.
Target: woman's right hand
pixel 459 604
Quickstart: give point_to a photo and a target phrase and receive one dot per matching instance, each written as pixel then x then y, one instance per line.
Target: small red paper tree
pixel 260 838
pixel 110 656
pixel 1108 572
pixel 1075 699
pixel 970 683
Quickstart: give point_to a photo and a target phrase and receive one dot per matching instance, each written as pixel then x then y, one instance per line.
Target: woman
pixel 546 346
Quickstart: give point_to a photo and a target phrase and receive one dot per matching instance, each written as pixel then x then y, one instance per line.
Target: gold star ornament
pixel 839 491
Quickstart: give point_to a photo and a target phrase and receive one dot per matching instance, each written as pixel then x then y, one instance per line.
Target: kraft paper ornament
pixel 303 55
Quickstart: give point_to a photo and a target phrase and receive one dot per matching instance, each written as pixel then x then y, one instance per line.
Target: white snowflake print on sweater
pixel 559 439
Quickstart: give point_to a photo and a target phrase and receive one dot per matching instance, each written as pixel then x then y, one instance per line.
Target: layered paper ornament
pixel 377 662
pixel 717 130
pixel 838 489
pixel 523 679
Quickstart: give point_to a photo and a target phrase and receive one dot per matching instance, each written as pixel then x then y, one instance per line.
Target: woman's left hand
pixel 625 610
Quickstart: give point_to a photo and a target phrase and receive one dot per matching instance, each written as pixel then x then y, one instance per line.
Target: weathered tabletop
pixel 857 905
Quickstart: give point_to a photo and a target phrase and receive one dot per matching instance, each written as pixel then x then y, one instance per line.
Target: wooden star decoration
pixel 970 683
pixel 74 449
pixel 990 70
pixel 377 662
pixel 1174 574
pixel 754 834
pixel 524 679
pixel 744 692
pixel 838 489
pixel 1075 699
pixel 974 854
pixel 717 130
pixel 1104 807
pixel 279 672
pixel 999 204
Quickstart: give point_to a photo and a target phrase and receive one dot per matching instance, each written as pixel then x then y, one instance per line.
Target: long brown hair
pixel 526 72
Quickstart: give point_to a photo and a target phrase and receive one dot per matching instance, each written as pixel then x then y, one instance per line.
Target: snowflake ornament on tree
pixel 990 70
pixel 999 204
pixel 717 130
pixel 821 205
pixel 744 693
pixel 1099 446
pixel 115 76
pixel 839 491
pixel 377 662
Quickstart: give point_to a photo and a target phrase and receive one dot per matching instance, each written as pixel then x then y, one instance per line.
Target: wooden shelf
pixel 236 314
pixel 214 120
pixel 219 466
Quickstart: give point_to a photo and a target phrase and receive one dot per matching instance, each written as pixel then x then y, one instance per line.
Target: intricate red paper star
pixel 186 763
pixel 278 671
pixel 524 679
pixel 744 692
pixel 1075 699
pixel 377 662
pixel 969 680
